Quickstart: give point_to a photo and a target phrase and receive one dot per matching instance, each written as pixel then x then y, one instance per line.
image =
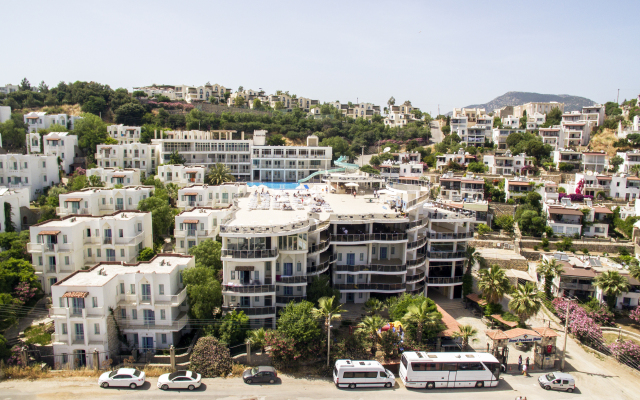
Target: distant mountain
pixel 571 103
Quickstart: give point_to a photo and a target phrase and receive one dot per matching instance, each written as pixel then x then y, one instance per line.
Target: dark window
pixel 370 374
pixel 449 367
pixel 404 358
pixel 348 375
pixel 565 382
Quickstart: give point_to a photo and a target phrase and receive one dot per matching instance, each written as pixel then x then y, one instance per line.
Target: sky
pixel 433 53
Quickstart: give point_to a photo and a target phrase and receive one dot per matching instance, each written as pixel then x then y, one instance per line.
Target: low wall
pixel 502 208
pixel 578 245
pixel 256 359
pixel 520 265
pixel 531 255
pixel 490 243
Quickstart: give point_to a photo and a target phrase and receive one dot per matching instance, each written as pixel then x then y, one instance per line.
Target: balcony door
pixel 79 332
pixel 245 301
pixel 147 342
pixel 149 319
pixel 383 253
pixel 111 254
pixel 77 305
pixel 351 259
pixel 120 204
pixel 288 269
pixel 145 288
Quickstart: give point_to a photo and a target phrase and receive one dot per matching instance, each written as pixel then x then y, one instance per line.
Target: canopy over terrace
pixel 542 338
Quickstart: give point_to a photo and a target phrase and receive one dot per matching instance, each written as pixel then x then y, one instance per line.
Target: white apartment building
pixel 60 247
pixel 399 116
pixel 594 114
pixel 115 176
pixel 404 165
pixel 567 156
pixel 630 158
pixel 534 107
pixel 474 133
pixel 40 120
pixel 220 196
pixel 9 88
pixel 182 175
pixel 248 95
pixel 164 90
pixel 34 171
pixel 124 134
pixel 148 303
pixel 511 122
pixel 534 121
pixel 508 164
pixel 595 161
pixel 577 133
pixel 100 201
pixel 200 93
pixel 553 136
pixel 568 219
pixel 62 145
pixel 461 157
pixel 16 197
pixel 472 114
pixel 500 135
pixel 142 156
pixel 518 187
pixel 197 225
pixel 5 115
pixel 457 188
pixel 357 110
pixel 617 186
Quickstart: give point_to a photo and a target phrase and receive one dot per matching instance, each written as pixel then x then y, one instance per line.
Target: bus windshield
pixel 494 368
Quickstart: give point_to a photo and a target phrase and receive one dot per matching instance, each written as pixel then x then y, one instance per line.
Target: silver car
pixel 557 381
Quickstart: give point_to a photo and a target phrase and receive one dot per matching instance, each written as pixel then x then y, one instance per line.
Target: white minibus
pixel 352 374
pixel 448 370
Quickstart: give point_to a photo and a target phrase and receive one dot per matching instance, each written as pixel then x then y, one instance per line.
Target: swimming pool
pixel 276 185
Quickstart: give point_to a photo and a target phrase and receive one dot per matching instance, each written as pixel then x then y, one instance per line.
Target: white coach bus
pixel 354 374
pixel 448 370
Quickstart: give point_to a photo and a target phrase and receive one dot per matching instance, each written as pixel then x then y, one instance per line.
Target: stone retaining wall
pixel 520 265
pixel 595 247
pixel 489 243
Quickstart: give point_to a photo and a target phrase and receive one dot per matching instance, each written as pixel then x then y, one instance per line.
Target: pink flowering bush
pixel 602 316
pixel 15 358
pixel 575 197
pixel 580 324
pixel 24 292
pixel 635 315
pixel 282 349
pixel 627 352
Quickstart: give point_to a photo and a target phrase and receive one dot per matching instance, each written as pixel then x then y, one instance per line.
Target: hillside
pixel 571 103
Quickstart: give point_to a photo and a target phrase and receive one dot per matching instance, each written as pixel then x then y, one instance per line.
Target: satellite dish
pixel 386 149
pixel 589 173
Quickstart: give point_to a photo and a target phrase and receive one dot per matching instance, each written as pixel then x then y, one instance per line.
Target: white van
pixel 352 374
pixel 557 381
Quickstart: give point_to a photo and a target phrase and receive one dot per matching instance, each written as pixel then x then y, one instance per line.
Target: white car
pixel 180 380
pixel 122 377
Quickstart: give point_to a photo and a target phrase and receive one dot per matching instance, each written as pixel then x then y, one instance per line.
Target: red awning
pixel 52 233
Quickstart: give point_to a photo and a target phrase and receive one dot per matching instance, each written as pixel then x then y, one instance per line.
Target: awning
pixel 191 194
pixel 604 178
pixel 33 117
pixel 517 183
pixel 53 233
pixel 190 221
pixel 76 295
pixel 74 199
pixel 52 140
pixel 519 275
pixel 118 176
pixel 565 211
pixel 351 184
pixel 476 299
pixel 602 210
pixel 498 318
pixel 245 268
pixel 190 172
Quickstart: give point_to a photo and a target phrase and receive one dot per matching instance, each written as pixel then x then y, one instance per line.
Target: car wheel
pixel 164 387
pixel 430 385
pixel 352 386
pixel 387 385
pixel 133 386
pixel 272 381
pixel 479 384
pixel 191 387
pixel 570 390
pixel 547 387
pixel 105 385
pixel 248 381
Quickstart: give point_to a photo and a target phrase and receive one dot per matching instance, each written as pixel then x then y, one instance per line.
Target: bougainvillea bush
pixel 635 315
pixel 602 316
pixel 580 324
pixel 210 358
pixel 282 349
pixel 627 352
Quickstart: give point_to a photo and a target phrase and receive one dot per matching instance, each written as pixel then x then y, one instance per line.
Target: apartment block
pixel 60 247
pixel 399 116
pixel 197 225
pixel 568 219
pixel 630 159
pixel 62 145
pixel 594 114
pixel 9 88
pixel 511 122
pixel 200 93
pixel 41 120
pixel 34 171
pixel 461 157
pixel 535 121
pixel 403 165
pixel 5 115
pixel 577 133
pixel 156 90
pixel 458 189
pixel 101 201
pixel 182 175
pixel 595 161
pixel 472 114
pixel 500 135
pixel 536 107
pixel 124 134
pixel 509 164
pixel 16 198
pixel 518 187
pixel 618 186
pixel 567 156
pixel 143 303
pixel 115 176
pixel 142 156
pixel 220 196
pixel 357 110
pixel 553 136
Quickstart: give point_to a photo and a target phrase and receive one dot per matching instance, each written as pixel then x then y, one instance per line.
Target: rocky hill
pixel 571 103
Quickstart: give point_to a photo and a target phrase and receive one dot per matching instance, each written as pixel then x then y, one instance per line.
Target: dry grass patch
pixel 36 372
pixel 604 142
pixel 237 370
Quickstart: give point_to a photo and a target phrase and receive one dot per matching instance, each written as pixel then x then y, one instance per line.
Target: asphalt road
pixel 436 133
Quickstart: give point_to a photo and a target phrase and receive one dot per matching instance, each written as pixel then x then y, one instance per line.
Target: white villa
pixel 101 201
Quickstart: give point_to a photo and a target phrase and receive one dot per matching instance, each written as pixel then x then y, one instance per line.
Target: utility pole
pixel 438 109
pixel 566 334
pixel 618 98
pixel 328 339
pixel 362 157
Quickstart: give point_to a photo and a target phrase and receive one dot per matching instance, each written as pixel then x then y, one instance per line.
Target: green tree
pixel 466 333
pixel 328 309
pixel 146 254
pixel 257 338
pixel 504 222
pixel 369 169
pixel 615 162
pixel 210 358
pixel 374 306
pixel 477 167
pixel 239 101
pixel 472 257
pixel 612 285
pixel 233 328
pixel 279 105
pixel 548 270
pixel 161 212
pixel 25 85
pixel 218 174
pixel 276 140
pixel 176 158
pixel 422 317
pixel 15 271
pixel 339 146
pixel 208 254
pixel 483 229
pixel 525 302
pixel 257 104
pixel 531 223
pixel 370 326
pixel 139 93
pixel 296 321
pixel 203 291
pixel 320 287
pixel 91 132
pixel 493 283
pixel 94 105
pixel 634 271
pixel 13 135
pixel 130 113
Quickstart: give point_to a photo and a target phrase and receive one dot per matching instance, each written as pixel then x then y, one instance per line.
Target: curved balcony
pixel 291 279
pixel 251 310
pixel 418 262
pixel 322 267
pixel 449 235
pixel 248 288
pixel 250 254
pixel 415 278
pixel 320 247
pixel 372 287
pixel 435 281
pixel 369 237
pixel 422 240
pixel 446 255
pixel 372 269
pixel 322 226
pixel 452 215
pixel 421 223
pixel 418 289
pixel 288 299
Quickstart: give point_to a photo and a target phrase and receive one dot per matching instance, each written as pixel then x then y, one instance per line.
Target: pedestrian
pixel 524 370
pixel 520 363
pixel 526 362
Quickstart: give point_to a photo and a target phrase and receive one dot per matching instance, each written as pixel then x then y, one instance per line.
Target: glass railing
pixel 249 288
pixel 415 278
pixel 443 280
pixel 291 279
pixel 371 268
pixel 446 254
pixel 363 237
pixel 251 310
pixel 288 299
pixel 271 253
pixel 371 286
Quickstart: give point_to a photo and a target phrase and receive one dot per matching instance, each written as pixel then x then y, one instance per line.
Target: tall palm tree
pixel 422 317
pixel 612 284
pixel 329 309
pixel 525 302
pixel 494 284
pixel 472 256
pixel 374 306
pixel 634 271
pixel 218 174
pixel 257 338
pixel 370 326
pixel 549 270
pixel 467 332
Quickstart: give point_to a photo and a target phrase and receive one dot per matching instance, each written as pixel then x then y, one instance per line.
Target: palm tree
pixel 525 302
pixel 494 284
pixel 218 174
pixel 374 306
pixel 328 310
pixel 549 270
pixel 472 257
pixel 612 285
pixel 422 317
pixel 467 332
pixel 257 338
pixel 370 326
pixel 634 271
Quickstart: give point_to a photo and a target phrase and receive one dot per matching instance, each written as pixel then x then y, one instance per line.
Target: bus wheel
pixel 352 386
pixel 430 385
pixel 479 384
pixel 387 385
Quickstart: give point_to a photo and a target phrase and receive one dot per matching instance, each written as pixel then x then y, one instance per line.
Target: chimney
pixel 242 135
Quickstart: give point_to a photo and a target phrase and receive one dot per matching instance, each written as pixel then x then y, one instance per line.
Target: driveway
pixel 436 133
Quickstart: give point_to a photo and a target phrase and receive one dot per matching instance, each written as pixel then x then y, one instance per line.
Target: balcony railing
pixel 321 268
pixel 446 254
pixel 419 260
pixel 249 288
pixel 251 310
pixel 288 299
pixel 415 278
pixel 191 232
pixel 443 280
pixel 391 287
pixel 419 288
pixel 322 246
pixel 451 235
pixel 271 253
pixel 175 299
pixel 373 268
pixel 364 237
pixel 418 243
pixel 291 279
pixel 576 286
pixel 107 240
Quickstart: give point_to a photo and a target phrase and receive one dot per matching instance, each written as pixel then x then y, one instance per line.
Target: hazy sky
pixel 452 53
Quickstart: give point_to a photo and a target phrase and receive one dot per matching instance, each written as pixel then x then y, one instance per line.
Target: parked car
pixel 122 377
pixel 557 381
pixel 260 375
pixel 180 380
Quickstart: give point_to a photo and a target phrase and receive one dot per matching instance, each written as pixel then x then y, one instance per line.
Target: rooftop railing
pixel 249 288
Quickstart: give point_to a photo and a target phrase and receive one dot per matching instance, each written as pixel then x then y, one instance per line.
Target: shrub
pixel 580 324
pixel 535 248
pixel 389 341
pixel 635 315
pixel 483 229
pixel 283 349
pixel 493 308
pixel 210 359
pixel 627 352
pixel 467 284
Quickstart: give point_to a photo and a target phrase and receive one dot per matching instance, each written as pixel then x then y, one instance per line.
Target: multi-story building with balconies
pixel 509 164
pixel 461 157
pixel 569 219
pixel 630 158
pixel 14 199
pixel 472 114
pixel 553 136
pixel 197 225
pixel 142 156
pixel 61 145
pixel 143 303
pixel 595 161
pixel 60 247
pixel 500 135
pixel 534 107
pixel 220 196
pixel 567 156
pixel 124 134
pixel 458 188
pixel 359 110
pixel 518 187
pixel 618 186
pixel 576 133
pixel 100 201
pixel 207 92
pixel 40 120
pixel 182 175
pixel 399 116
pixel 116 176
pixel 34 171
pixel 511 122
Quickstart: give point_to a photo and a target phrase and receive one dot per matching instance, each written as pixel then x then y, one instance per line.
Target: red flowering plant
pixel 627 352
pixel 635 315
pixel 24 292
pixel 282 349
pixel 580 324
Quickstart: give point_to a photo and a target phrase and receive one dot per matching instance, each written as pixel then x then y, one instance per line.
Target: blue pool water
pixel 275 185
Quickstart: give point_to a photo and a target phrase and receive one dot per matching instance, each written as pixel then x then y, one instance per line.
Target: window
pixel 64 238
pixel 133 288
pixel 473 366
pixel 373 250
pixel 121 252
pixel 339 256
pixel 61 302
pixel 134 314
pixel 94 302
pixel 139 227
pixel 299 267
pixel 66 260
pixel 163 338
pixel 96 329
pixel 359 295
pixel 393 250
pixel 161 289
pixel 121 288
pixel 98 253
pixel 120 233
pixel 233 274
pixel 89 252
pixel 45 178
pixel 361 256
pixel 123 313
pixel 64 329
pixel 39 258
pixel 163 314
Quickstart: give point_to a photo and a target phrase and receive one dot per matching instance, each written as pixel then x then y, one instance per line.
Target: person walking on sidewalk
pixel 519 363
pixel 526 362
pixel 524 370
